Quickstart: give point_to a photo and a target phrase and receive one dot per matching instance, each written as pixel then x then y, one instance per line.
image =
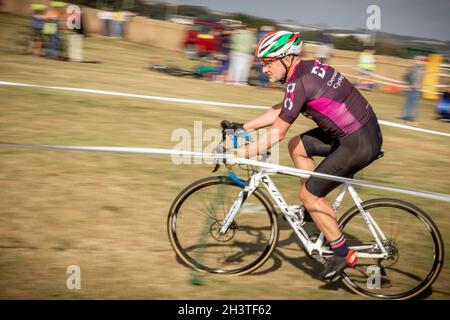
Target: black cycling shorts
pixel 344 157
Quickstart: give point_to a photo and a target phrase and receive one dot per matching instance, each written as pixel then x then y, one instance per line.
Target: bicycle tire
pixel 437 256
pixel 193 262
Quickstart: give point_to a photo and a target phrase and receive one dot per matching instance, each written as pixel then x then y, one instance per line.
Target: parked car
pixel 203 38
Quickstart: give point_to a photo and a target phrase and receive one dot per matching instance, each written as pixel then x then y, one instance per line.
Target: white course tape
pixel 402 126
pixel 374 75
pixel 343 65
pixel 349 75
pixel 230 159
pixel 391 82
pixel 140 96
pixel 209 103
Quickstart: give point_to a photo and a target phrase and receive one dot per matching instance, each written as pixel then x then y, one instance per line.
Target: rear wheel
pixel 413 242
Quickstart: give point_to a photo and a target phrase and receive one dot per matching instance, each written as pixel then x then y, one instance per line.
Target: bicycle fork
pixel 240 199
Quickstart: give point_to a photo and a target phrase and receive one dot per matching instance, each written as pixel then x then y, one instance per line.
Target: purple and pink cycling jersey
pixel 324 95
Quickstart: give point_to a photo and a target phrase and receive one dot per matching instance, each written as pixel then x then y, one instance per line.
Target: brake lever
pixel 224 125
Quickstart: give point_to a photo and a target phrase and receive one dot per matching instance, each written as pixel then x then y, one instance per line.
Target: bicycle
pixel 240 230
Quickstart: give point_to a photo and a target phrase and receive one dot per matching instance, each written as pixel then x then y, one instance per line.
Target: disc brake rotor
pixel 227 236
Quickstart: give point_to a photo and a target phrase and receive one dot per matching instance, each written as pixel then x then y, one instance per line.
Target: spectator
pixel 324 49
pixel 243 43
pixel 366 60
pixel 117 24
pixel 37 24
pixel 366 65
pixel 105 17
pixel 51 29
pixel 414 79
pixel 128 15
pixel 443 107
pixel 224 55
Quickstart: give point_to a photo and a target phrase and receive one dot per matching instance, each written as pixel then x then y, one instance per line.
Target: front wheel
pixel 196 217
pixel 413 243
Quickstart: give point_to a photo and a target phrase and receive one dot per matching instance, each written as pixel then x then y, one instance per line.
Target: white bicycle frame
pixel 313 248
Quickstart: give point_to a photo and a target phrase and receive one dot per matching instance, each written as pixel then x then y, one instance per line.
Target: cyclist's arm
pixel 264 120
pixel 276 133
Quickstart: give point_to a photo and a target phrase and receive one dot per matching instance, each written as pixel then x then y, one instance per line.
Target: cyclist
pixel 348 134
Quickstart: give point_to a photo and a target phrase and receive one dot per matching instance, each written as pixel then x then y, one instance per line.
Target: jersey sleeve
pixel 293 102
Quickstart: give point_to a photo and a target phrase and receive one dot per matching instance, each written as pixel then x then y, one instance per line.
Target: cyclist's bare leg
pixel 322 214
pixel 320 210
pixel 299 156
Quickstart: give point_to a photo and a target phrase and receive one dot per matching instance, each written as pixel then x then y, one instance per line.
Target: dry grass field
pixel 107 212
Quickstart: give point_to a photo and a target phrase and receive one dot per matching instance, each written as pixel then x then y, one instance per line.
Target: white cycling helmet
pixel 279 45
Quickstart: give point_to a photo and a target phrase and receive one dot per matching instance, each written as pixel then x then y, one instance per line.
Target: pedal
pixel 316 256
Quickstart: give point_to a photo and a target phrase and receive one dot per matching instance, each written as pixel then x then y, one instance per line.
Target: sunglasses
pixel 268 61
